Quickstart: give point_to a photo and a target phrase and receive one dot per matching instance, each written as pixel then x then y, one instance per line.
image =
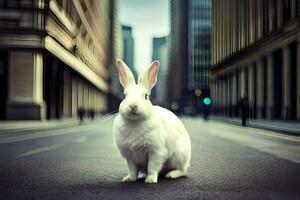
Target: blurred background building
pixel 190 55
pixel 56 56
pixel 117 51
pixel 128 46
pixel 159 52
pixel 178 53
pixel 256 54
pixel 199 42
pixel 127 54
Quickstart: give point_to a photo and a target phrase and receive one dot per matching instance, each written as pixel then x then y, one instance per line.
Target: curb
pixel 284 131
pixel 22 131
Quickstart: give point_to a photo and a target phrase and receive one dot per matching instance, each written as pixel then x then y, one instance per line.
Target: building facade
pixel 178 52
pixel 54 57
pixel 128 48
pixel 256 54
pixel 114 95
pixel 127 54
pixel 159 52
pixel 199 45
pixel 190 55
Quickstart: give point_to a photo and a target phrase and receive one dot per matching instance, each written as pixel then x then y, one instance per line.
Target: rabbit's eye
pixel 146 96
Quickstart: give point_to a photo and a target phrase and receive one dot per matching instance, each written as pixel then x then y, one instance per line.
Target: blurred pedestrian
pixel 80 114
pixel 206 104
pixel 92 114
pixel 206 111
pixel 244 107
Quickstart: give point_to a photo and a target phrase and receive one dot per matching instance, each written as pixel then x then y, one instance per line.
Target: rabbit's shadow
pixel 118 185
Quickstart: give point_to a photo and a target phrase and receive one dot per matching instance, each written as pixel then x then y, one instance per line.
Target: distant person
pixel 206 107
pixel 80 114
pixel 244 107
pixel 92 114
pixel 206 111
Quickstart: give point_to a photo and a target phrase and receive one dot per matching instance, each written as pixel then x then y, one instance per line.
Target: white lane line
pixel 286 152
pixel 47 133
pixel 49 148
pixel 40 150
pixel 264 133
pixel 81 140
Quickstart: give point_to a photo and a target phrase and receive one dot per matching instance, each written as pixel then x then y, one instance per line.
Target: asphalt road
pixel 228 162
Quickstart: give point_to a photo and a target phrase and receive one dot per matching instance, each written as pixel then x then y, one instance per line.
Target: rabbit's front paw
pixel 129 178
pixel 151 179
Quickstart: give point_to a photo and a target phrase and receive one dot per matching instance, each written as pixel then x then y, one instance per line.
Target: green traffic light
pixel 207 101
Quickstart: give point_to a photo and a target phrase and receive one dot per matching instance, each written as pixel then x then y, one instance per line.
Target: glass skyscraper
pixel 199 41
pixel 190 53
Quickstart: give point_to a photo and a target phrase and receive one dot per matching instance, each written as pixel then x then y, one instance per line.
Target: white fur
pixel 152 139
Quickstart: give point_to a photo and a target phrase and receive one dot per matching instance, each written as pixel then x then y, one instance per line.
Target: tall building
pixel 199 45
pixel 256 54
pixel 115 94
pixel 159 52
pixel 127 54
pixel 178 52
pixel 128 48
pixel 55 57
pixel 189 59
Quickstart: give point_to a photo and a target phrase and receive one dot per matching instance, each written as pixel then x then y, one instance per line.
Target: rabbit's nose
pixel 133 107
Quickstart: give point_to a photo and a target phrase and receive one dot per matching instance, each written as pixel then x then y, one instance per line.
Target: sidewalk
pixel 22 127
pixel 275 125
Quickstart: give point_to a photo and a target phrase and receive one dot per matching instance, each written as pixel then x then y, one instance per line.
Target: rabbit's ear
pixel 125 75
pixel 149 77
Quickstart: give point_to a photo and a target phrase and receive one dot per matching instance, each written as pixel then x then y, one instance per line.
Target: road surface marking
pixel 286 152
pixel 47 133
pixel 81 140
pixel 273 134
pixel 40 150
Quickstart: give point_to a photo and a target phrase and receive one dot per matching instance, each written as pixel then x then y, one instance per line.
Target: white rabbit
pixel 151 138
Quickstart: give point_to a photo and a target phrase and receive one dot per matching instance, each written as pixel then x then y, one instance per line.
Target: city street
pixel 228 162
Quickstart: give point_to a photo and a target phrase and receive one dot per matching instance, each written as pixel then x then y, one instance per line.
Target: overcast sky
pixel 148 18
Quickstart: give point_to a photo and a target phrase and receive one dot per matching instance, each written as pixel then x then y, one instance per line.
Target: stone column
pixel 25 94
pixel 221 96
pixel 213 30
pixel 272 14
pixel 279 13
pixel 293 7
pixel 260 20
pixel 217 33
pixel 212 90
pixel 286 83
pixel 259 88
pixel 270 86
pixel 230 94
pixel 217 95
pixel 298 79
pixel 243 83
pixel 234 93
pixel 251 88
pixel 224 95
pixel 74 97
pixel 234 30
pixel 227 94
